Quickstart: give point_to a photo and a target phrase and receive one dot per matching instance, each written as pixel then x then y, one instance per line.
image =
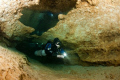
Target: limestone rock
pixel 10 12
pixel 93 2
pixel 16 31
pixel 54 5
pixel 93 32
pixel 4 42
pixel 61 16
pixel 15 66
pixel 12 63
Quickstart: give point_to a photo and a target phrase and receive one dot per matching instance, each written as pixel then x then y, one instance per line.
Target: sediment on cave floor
pixel 21 67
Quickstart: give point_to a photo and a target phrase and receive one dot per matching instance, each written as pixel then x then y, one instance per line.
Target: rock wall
pixel 92 30
pixel 15 66
pixel 56 6
pixel 12 64
pixel 10 12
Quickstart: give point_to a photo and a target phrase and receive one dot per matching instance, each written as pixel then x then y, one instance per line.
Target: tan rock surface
pixel 54 5
pixel 10 12
pixel 11 65
pixel 15 66
pixel 61 16
pixel 91 31
pixel 16 31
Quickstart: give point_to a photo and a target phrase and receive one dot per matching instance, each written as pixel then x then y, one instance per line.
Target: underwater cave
pixel 88 30
pixel 41 22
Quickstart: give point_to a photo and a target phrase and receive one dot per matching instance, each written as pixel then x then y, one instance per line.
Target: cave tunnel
pixel 29 48
pixel 91 27
pixel 41 22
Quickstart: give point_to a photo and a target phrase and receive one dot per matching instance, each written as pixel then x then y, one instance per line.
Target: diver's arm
pixel 61 55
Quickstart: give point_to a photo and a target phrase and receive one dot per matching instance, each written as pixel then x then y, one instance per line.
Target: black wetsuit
pixel 53 51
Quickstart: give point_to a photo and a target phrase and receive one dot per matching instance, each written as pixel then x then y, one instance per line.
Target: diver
pixel 52 49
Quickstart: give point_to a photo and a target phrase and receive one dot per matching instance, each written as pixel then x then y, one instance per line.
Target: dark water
pixel 29 48
pixel 40 21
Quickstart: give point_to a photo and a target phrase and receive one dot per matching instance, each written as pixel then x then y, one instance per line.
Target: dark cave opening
pixel 29 48
pixel 40 21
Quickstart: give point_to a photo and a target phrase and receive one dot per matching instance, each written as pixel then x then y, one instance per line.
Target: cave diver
pixel 52 49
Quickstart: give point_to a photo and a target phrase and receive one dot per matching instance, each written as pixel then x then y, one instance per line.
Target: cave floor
pixel 75 72
pixel 11 63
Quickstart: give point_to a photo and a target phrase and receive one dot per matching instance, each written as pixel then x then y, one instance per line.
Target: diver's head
pixel 57 42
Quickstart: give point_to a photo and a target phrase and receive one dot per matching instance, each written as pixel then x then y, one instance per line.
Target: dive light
pixel 65 54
